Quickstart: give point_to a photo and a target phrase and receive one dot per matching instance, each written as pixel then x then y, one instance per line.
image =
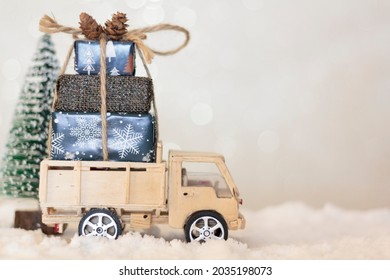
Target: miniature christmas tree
pixel 114 72
pixel 110 50
pixel 27 144
pixel 89 61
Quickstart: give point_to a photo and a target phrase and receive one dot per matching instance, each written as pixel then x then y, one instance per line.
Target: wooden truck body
pixel 103 196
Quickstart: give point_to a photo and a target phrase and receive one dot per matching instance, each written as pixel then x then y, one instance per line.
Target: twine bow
pixel 50 25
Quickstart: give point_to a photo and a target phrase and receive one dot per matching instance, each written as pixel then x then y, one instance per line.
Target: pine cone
pixel 116 28
pixel 89 27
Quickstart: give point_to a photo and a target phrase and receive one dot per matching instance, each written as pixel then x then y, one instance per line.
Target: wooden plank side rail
pixel 70 188
pixel 43 187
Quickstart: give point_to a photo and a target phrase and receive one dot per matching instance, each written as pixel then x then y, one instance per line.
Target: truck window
pixel 204 174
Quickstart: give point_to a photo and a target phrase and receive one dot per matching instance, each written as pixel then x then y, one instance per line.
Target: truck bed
pixel 67 188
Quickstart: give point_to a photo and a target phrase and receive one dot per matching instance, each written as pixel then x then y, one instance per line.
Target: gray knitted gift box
pixel 81 93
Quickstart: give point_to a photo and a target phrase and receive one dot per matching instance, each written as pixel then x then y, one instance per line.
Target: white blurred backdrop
pixel 295 94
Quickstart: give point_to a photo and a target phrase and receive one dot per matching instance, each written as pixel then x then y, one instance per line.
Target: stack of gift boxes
pixel 76 118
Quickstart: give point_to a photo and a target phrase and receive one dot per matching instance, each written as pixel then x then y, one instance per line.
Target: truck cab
pixel 202 196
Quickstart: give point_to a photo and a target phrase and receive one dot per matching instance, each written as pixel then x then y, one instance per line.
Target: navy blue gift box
pixel 78 136
pixel 120 57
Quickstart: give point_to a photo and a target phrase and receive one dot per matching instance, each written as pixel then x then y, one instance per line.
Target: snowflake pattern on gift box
pixel 126 141
pixel 56 144
pixel 87 132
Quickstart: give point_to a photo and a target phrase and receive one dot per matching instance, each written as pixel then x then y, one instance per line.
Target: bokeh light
pixel 226 145
pixel 103 10
pixel 185 16
pixel 153 14
pixel 135 4
pixel 201 114
pixel 169 146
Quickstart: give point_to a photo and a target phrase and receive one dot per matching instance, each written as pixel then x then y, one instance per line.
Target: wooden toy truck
pixel 103 196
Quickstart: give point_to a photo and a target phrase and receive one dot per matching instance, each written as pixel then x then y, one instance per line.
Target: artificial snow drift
pixel 287 231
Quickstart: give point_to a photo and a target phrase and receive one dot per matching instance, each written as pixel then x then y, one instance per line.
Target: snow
pixel 288 231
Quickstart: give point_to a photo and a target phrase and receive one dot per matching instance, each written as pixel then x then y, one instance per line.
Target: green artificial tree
pixel 27 143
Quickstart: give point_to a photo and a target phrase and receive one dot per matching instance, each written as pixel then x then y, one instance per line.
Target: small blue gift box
pixel 120 57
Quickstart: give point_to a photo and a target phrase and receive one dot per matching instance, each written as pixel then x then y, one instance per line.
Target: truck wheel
pixel 100 222
pixel 205 225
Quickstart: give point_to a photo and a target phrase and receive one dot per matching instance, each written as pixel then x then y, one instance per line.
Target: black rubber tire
pixel 115 230
pixel 220 233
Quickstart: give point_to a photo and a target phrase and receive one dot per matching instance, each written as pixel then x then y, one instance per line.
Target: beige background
pixel 295 94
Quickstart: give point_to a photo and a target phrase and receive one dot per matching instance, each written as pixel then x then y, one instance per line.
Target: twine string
pixel 50 25
pixel 103 94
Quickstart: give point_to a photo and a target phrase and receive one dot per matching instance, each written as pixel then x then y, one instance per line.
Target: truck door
pixel 199 186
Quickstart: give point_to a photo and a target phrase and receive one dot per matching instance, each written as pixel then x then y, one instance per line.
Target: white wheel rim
pixel 206 227
pixel 100 224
